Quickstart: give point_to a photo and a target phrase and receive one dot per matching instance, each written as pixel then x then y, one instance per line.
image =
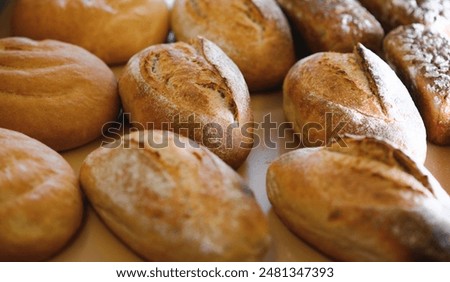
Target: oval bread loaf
pixel 255 34
pixel 394 13
pixel 169 199
pixel 40 202
pixel 364 202
pixel 330 94
pixel 112 30
pixel 421 57
pixel 193 89
pixel 55 92
pixel 334 25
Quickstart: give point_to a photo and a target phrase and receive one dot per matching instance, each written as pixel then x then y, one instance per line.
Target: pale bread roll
pixel 113 30
pixel 55 92
pixel 40 201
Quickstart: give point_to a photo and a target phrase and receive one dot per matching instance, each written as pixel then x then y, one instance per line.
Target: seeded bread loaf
pixel 421 57
pixel 393 13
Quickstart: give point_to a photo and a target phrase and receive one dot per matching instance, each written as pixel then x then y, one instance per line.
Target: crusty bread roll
pixel 421 57
pixel 40 201
pixel 364 202
pixel 334 25
pixel 393 13
pixel 170 199
pixel 193 89
pixel 113 30
pixel 253 33
pixel 329 94
pixel 55 92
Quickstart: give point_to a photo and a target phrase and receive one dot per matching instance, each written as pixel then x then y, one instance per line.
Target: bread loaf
pixel 170 199
pixel 421 57
pixel 113 30
pixel 364 202
pixel 40 201
pixel 253 33
pixel 55 92
pixel 334 25
pixel 330 94
pixel 393 13
pixel 193 89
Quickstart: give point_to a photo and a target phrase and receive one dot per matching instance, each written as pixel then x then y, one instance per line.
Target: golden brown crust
pixel 55 92
pixel 334 25
pixel 364 202
pixel 112 30
pixel 253 33
pixel 360 92
pixel 421 57
pixel 392 13
pixel 40 201
pixel 171 200
pixel 167 81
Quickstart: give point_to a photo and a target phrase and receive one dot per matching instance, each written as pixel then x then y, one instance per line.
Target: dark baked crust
pixel 421 57
pixel 334 25
pixel 393 13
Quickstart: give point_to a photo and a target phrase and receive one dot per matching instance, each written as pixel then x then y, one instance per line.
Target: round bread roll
pixel 330 94
pixel 55 92
pixel 366 201
pixel 254 33
pixel 40 201
pixel 194 90
pixel 170 199
pixel 113 30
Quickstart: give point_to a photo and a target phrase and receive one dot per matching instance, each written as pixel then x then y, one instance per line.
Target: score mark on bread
pixel 196 83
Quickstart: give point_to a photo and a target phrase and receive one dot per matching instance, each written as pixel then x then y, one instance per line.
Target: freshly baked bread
pixel 55 92
pixel 334 25
pixel 40 201
pixel 421 57
pixel 170 199
pixel 364 202
pixel 393 13
pixel 254 33
pixel 329 94
pixel 193 89
pixel 113 30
